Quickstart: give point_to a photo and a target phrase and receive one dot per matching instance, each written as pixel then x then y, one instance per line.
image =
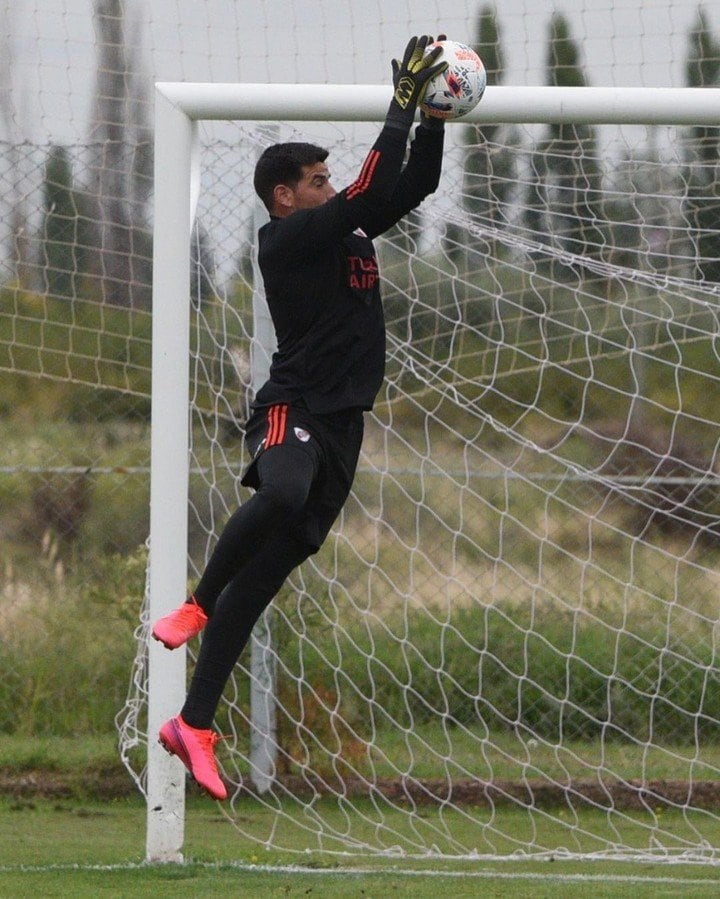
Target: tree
pixel 565 194
pixel 13 109
pixel 121 163
pixel 644 210
pixel 245 271
pixel 202 266
pixel 489 170
pixel 702 151
pixel 59 241
pixel 702 69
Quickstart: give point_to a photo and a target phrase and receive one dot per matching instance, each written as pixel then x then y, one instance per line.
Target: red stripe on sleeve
pixel 361 184
pixel 364 169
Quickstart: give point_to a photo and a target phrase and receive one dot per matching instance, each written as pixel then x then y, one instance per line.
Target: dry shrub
pixel 60 504
pixel 667 482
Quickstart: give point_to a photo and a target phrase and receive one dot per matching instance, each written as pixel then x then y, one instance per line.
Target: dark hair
pixel 283 164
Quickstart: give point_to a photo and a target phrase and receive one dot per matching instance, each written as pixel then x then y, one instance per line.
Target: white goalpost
pixel 659 327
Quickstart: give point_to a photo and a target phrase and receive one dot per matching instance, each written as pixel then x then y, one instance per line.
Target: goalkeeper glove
pixel 410 79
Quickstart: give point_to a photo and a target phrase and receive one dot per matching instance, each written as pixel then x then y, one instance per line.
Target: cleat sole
pixel 163 642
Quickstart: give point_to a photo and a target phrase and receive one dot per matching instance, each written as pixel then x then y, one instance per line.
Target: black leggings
pixel 285 478
pixel 255 553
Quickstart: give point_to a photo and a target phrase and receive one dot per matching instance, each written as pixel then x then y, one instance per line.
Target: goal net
pixel 508 642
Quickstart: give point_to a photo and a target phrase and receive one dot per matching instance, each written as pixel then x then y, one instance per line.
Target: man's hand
pixel 411 77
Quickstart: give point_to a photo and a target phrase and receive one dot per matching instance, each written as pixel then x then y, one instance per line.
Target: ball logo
pixel 301 434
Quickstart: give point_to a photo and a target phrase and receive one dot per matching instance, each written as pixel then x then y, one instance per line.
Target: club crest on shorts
pixel 301 434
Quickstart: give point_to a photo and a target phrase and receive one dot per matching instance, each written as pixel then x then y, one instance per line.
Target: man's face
pixel 312 190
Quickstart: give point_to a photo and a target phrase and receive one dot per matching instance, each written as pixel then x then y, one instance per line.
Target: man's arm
pixel 309 230
pixel 419 179
pixel 421 175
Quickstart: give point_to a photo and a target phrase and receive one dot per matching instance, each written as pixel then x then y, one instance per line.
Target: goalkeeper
pixel 304 434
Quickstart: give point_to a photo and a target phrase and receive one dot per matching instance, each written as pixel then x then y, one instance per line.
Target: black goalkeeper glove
pixel 433 122
pixel 410 79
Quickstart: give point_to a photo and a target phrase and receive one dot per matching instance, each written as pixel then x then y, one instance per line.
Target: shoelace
pixel 209 739
pixel 192 611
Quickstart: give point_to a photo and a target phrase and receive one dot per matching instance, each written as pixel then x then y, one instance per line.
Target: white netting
pixel 513 621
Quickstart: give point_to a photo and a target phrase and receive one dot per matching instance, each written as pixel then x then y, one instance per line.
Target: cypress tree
pixel 488 166
pixel 489 170
pixel 702 207
pixel 120 166
pixel 59 239
pixel 571 154
pixel 563 203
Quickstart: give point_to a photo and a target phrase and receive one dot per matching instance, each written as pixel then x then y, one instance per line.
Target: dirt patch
pixel 617 795
pixel 611 795
pixel 105 783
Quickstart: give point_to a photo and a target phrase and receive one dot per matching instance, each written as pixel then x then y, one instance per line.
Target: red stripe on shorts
pixel 277 424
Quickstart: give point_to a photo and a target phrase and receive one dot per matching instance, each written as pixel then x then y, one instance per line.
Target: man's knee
pixel 285 478
pixel 283 499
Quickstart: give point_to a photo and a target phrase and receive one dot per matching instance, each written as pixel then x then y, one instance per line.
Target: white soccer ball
pixel 459 89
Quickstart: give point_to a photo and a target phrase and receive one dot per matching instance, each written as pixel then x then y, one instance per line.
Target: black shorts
pixel 333 443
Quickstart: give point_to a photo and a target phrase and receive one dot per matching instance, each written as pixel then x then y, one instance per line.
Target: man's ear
pixel 283 198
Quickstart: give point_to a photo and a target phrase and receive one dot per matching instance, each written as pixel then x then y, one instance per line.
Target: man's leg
pixel 236 611
pixel 189 735
pixel 285 477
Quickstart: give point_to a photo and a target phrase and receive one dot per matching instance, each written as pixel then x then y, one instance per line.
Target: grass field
pixel 71 824
pixel 69 842
pixel 66 848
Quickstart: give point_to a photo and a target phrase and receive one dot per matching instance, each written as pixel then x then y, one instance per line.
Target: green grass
pixel 510 757
pixel 59 754
pixel 84 779
pixel 97 849
pixel 105 349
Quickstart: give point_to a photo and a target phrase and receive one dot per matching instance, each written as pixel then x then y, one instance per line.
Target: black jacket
pixel 321 278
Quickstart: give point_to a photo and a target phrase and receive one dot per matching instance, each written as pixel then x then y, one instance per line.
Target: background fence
pixel 546 443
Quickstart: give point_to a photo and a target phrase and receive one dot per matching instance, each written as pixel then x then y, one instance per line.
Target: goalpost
pixel 661 327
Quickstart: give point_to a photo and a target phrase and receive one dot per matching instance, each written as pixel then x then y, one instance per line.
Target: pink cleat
pixel 180 625
pixel 196 750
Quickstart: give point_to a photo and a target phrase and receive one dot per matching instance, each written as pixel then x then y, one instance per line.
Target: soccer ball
pixel 459 89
